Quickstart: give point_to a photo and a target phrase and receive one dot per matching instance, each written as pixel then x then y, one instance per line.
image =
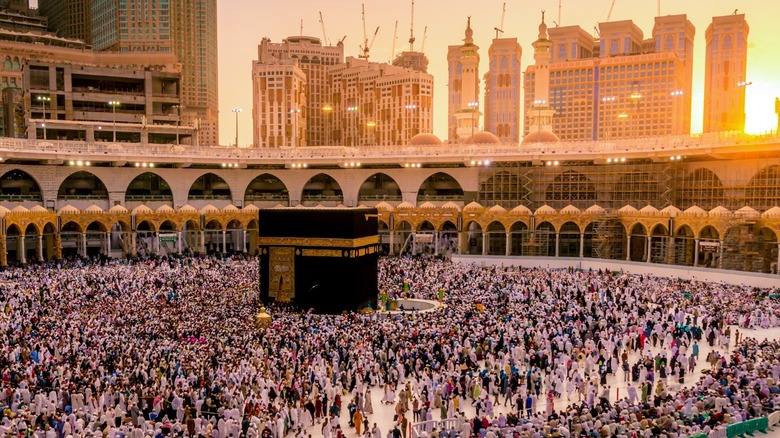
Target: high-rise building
pixel 68 18
pixel 187 28
pixel 620 85
pixel 412 60
pixel 378 104
pixel 22 6
pixel 463 100
pixel 502 90
pixel 279 107
pixel 725 67
pixel 313 59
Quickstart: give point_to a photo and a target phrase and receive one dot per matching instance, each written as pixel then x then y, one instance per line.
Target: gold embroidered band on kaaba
pixel 318 242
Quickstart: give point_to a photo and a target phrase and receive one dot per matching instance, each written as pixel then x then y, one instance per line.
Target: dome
pixel 250 208
pixel 384 206
pixel 188 209
pixel 483 137
pixel 68 209
pixel 545 209
pixel 117 209
pixel 595 209
pixel 695 211
pixel 165 208
pixel 450 206
pixel 4 210
pixel 424 139
pixel 427 205
pixel 719 211
pixel 570 209
pixel 746 212
pixel 472 206
pixel 404 205
pixel 230 208
pixel 541 137
pixel 671 211
pixel 209 209
pixel 772 212
pixel 522 209
pixel 20 209
pixel 93 209
pixel 648 210
pixel 628 209
pixel 141 209
pixel 38 209
pixel 497 209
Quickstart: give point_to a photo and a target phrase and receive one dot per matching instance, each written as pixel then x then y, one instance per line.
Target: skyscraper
pixel 314 60
pixel 725 66
pixel 620 85
pixel 502 90
pixel 68 18
pixel 187 28
pixel 463 99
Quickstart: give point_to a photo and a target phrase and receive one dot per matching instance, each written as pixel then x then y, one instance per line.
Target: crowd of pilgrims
pixel 160 348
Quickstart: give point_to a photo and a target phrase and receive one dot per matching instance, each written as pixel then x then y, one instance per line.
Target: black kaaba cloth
pixel 319 258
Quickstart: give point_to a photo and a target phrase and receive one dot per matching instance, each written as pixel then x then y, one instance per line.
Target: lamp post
pixel 411 107
pixel 44 100
pixel 353 110
pixel 473 105
pixel 327 109
pixel 605 100
pixel 294 115
pixel 236 111
pixel 114 104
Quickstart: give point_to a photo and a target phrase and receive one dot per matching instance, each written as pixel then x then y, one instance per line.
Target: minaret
pixel 541 114
pixel 468 115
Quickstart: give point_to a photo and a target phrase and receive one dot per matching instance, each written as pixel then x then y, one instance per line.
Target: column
pixel 224 242
pixel 508 244
pixel 22 256
pixel 133 245
pixel 436 243
pixel 40 247
pixel 414 244
pixel 57 246
pixel 244 245
pixel 628 247
pixel 649 249
pixel 178 242
pixel 84 244
pixel 582 245
pixel 392 241
pixel 696 252
pixel 485 243
pixel 461 241
pixel 3 252
pixel 720 255
pixel 202 249
pixel 557 244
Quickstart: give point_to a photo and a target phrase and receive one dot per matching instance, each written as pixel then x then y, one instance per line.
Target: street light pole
pixel 44 100
pixel 353 110
pixel 114 104
pixel 411 107
pixel 327 109
pixel 236 111
pixel 294 114
pixel 473 105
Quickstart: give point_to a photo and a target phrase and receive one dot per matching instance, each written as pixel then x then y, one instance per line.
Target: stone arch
pixel 709 246
pixel 190 235
pixel 767 250
pixel 496 235
pixel 49 235
pixel 400 234
pixel 659 240
pixel 209 187
pixel 82 185
pixel 379 187
pixel 425 226
pixel 544 239
pixel 474 242
pixel 266 189
pixel 684 245
pixel 322 189
pixel 448 237
pixel 518 234
pixel 147 188
pixel 763 190
pixel 702 188
pixel 569 240
pixel 70 238
pixel 18 185
pixel 441 187
pixel 570 187
pixel 637 242
pixel 213 235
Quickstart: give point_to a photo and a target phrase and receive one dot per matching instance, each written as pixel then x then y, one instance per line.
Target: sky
pixel 243 23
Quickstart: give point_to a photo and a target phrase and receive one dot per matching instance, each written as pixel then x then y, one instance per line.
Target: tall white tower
pixel 541 114
pixel 465 89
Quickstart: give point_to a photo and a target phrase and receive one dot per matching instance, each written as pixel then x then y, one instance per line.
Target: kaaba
pixel 319 258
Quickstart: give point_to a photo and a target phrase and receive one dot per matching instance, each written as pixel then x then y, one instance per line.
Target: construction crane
pixel 395 38
pixel 411 31
pixel 341 41
pixel 501 26
pixel 366 47
pixel 611 7
pixel 425 36
pixel 324 35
